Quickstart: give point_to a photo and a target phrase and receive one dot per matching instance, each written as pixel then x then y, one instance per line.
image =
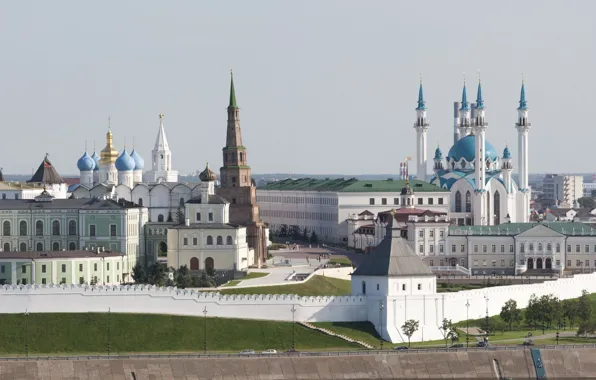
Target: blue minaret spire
pixel 464 98
pixel 421 102
pixel 522 97
pixel 479 100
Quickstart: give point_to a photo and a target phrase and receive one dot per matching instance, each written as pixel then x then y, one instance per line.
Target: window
pixel 511 248
pixel 211 217
pixel 587 263
pixel 430 201
pixel 160 218
pixel 6 247
pixel 140 203
pixel 2 269
pixel 419 201
pixel 558 249
pixel 181 202
pixel 63 268
pixel 475 248
pixel 511 263
pixel 521 262
pixel 63 281
pixel 531 247
pixel 587 248
pixel 558 262
pixel 441 249
pixel 432 233
pixel 493 248
pixel 577 248
pixel 468 202
pixel 549 247
pixel 395 201
pixel 502 248
pixel 403 287
pixel 383 201
pixel 55 246
pixel 198 216
pixel 39 228
pixel 363 288
pixel 209 240
pixel 578 263
pixel 23 228
pixel 441 233
pixel 483 263
pixel 81 280
pixel 371 201
pixel 43 268
pixel 431 248
pixel 43 281
pixel 458 201
pixel 72 246
pixel 92 230
pixel 229 240
pixel 195 241
pixel 440 201
pixel 378 286
pixel 95 267
pixel 421 233
pixel 421 248
pixel 419 286
pixel 522 248
pixel 112 230
pixel 539 247
pixel 463 248
pixel 117 266
pixel 80 267
pixel 568 263
pixel 462 262
pixel 219 240
pixel 107 266
pixel 502 263
pixel 475 263
pixel 56 227
pixel 568 248
pixel 484 248
pixel 6 228
pixel 185 241
pixel 72 227
pixel 23 269
pixel 39 247
pixel 453 248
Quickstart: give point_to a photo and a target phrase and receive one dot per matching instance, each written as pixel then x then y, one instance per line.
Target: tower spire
pixel 522 97
pixel 479 100
pixel 464 97
pixel 232 92
pixel 421 102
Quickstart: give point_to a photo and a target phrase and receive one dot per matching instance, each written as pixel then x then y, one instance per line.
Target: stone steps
pixel 331 333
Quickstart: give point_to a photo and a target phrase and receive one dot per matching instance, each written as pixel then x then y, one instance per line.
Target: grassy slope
pixel 247 277
pixel 316 286
pixel 87 333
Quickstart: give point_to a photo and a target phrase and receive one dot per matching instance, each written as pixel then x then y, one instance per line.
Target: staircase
pixel 331 333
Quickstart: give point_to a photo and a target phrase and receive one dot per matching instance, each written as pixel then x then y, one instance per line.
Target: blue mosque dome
pixel 95 158
pixel 125 162
pixel 139 162
pixel 86 163
pixel 465 148
pixel 506 153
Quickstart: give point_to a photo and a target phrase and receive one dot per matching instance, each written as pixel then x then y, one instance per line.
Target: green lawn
pixel 316 286
pixel 249 276
pixel 344 261
pixel 231 283
pixel 88 333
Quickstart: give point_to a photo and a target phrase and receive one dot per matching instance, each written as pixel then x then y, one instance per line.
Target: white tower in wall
pixel 161 169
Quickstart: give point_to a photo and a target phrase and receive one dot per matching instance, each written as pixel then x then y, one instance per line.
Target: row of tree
pixel 447 328
pixel 296 233
pixel 157 274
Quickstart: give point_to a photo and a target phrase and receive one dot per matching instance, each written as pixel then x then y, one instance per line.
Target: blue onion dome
pixel 506 153
pixel 86 163
pixel 95 158
pixel 139 162
pixel 465 148
pixel 125 162
pixel 438 154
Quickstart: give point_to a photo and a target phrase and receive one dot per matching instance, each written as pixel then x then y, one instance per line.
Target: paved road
pixel 314 252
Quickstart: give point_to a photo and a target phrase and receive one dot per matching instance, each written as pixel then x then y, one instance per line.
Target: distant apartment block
pixel 563 190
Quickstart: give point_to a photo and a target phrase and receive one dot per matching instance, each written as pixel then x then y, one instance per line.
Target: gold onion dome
pixel 207 175
pixel 109 154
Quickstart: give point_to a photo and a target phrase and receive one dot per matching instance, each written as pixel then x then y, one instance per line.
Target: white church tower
pixel 161 170
pixel 481 217
pixel 421 127
pixel 523 127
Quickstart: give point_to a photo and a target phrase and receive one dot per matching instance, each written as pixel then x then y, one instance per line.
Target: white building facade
pixel 563 190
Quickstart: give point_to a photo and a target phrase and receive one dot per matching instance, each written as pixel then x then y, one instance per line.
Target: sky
pixel 323 86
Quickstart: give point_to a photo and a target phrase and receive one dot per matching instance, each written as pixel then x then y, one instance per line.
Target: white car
pixel 269 352
pixel 248 352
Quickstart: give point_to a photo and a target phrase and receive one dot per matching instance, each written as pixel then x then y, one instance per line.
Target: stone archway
pixel 453 262
pixel 548 263
pixel 530 263
pixel 539 263
pixel 209 265
pixel 194 264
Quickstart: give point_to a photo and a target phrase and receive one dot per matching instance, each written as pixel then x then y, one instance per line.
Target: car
pixel 482 344
pixel 457 345
pixel 269 352
pixel 247 352
pixel 401 348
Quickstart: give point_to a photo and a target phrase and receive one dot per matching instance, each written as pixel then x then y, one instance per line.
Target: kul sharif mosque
pixel 480 181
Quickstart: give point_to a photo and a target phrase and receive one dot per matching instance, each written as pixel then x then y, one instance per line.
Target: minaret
pixel 507 169
pixel 161 169
pixel 481 213
pixel 465 125
pixel 421 127
pixel 523 127
pixel 456 122
pixel 438 162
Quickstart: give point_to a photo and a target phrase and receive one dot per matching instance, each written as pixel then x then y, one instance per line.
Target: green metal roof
pixel 351 185
pixel 512 229
pixel 232 93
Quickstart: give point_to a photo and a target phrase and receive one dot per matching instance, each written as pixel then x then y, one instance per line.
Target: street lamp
pixel 293 328
pixel 381 325
pixel 205 331
pixel 26 334
pixel 109 343
pixel 487 325
pixel 467 323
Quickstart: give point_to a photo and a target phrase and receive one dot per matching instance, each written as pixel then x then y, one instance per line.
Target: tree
pixel 531 313
pixel 283 230
pixel 179 215
pixel 182 277
pixel 296 232
pixel 586 328
pixel 448 331
pixel 203 281
pixel 593 193
pixel 570 311
pixel 409 328
pixel 157 274
pixel 138 274
pixel 305 234
pixel 587 202
pixel 510 314
pixel 584 307
pixel 313 238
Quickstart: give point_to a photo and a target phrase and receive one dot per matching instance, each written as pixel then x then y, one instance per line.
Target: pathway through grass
pixel 316 286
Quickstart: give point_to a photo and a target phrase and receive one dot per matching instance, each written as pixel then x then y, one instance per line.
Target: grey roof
pixel 207 226
pixel 39 255
pixel 213 200
pixel 393 257
pixel 66 204
pixel 46 173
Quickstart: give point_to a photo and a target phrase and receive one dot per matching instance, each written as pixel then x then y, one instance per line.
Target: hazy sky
pixel 324 86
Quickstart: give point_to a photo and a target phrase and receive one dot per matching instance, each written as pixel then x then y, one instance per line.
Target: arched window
pixel 72 227
pixel 194 264
pixel 55 246
pixel 468 202
pixel 209 265
pixel 531 247
pixel 363 288
pixel 522 248
pixel 209 240
pixel 6 228
pixel 23 228
pixel 160 218
pixel 56 227
pixel 181 202
pixel 241 156
pixel 558 247
pixel 549 247
pixel 140 203
pixel 539 247
pixel 72 246
pixel 219 240
pixel 39 247
pixel 229 240
pixel 497 207
pixel 233 201
pixel 39 228
pixel 6 247
pixel 458 201
pixel 23 247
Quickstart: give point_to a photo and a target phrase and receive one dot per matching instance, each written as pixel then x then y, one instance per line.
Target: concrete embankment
pixel 502 364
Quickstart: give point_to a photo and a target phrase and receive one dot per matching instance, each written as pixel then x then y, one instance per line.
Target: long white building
pixel 327 206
